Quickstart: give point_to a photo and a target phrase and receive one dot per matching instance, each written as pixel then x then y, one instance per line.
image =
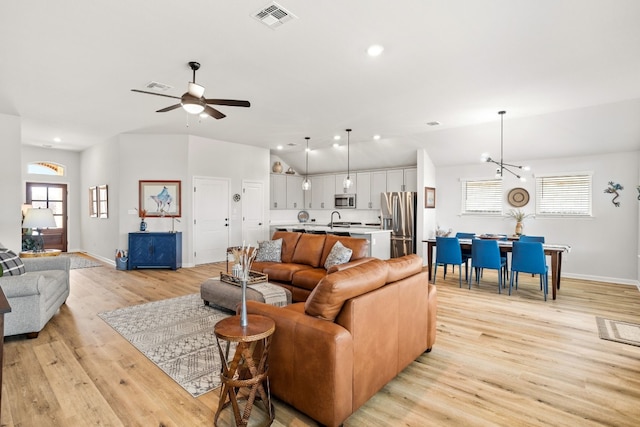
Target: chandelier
pixel 306 184
pixel 502 166
pixel 347 182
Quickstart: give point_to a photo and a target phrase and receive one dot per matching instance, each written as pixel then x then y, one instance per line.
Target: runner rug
pixel 80 261
pixel 177 335
pixel 615 330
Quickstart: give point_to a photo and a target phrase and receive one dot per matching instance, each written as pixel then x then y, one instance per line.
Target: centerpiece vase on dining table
pixel 519 227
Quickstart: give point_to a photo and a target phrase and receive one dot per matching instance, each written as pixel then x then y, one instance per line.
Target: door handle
pixel 259 223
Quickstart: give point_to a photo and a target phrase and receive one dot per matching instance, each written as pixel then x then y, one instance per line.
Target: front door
pixel 54 197
pixel 211 219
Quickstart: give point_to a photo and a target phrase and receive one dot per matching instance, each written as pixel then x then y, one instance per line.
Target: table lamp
pixel 38 219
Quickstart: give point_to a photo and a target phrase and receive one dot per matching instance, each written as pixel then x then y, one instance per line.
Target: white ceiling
pixel 67 67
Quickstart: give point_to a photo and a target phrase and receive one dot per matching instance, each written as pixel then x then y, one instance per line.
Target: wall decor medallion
pixel 518 197
pixel 236 197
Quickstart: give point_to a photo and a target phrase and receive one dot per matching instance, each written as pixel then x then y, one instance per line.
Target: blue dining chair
pixel 486 254
pixel 448 252
pixel 525 238
pixel 528 257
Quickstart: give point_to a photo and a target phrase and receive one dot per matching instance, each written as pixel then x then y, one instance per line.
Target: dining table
pixel 555 251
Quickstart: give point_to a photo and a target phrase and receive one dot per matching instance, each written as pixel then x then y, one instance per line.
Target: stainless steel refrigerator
pixel 399 215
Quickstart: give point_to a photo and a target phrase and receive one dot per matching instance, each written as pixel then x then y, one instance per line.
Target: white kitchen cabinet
pixel 322 192
pixel 295 196
pixel 363 191
pixel 278 191
pixel 402 179
pixel 370 186
pixel 378 186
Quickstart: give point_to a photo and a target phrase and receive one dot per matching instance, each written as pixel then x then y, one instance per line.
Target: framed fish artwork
pixel 160 198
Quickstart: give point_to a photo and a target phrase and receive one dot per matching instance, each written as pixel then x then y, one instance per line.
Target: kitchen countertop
pixel 358 229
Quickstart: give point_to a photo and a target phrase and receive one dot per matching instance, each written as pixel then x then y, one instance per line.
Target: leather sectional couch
pixel 303 257
pixel 358 329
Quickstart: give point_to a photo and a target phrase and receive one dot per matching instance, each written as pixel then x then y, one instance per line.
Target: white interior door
pixel 211 219
pixel 253 224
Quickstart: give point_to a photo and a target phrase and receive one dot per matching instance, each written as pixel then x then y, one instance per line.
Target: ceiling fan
pixel 194 102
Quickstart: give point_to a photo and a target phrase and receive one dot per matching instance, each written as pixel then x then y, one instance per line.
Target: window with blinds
pixel 563 195
pixel 482 197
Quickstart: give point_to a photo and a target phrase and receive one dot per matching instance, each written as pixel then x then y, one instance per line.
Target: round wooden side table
pixel 248 369
pixel 34 254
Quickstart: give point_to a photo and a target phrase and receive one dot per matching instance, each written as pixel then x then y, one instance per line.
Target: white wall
pixel 604 247
pixel 12 194
pixel 426 218
pixel 100 165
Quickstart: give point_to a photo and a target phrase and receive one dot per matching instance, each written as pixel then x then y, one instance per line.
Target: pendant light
pixel 502 166
pixel 306 184
pixel 346 184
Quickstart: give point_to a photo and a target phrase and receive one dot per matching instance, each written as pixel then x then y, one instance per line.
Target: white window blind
pixel 563 195
pixel 482 197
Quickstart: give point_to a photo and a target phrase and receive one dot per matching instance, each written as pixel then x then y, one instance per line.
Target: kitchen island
pixel 379 240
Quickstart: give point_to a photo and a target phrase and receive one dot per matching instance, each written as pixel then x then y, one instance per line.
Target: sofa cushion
pixel 359 246
pixel 269 251
pixel 326 299
pixel 309 278
pixel 402 267
pixel 339 255
pixel 11 263
pixel 309 249
pixel 289 242
pixel 283 272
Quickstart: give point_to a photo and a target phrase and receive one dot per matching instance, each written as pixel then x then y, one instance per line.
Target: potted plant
pixel 519 216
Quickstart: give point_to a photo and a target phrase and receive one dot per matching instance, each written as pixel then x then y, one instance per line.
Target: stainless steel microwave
pixel 345 201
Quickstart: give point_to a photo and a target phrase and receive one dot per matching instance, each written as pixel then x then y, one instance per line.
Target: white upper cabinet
pixel 295 196
pixel 378 186
pixel 370 186
pixel 278 191
pixel 402 180
pixel 322 192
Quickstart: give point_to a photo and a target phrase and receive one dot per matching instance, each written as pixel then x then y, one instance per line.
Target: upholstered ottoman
pixel 228 296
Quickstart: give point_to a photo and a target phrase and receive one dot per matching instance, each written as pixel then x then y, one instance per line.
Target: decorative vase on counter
pixel 277 167
pixel 143 225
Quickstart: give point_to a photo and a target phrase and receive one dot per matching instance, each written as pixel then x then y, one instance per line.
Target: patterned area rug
pixel 614 330
pixel 177 335
pixel 79 261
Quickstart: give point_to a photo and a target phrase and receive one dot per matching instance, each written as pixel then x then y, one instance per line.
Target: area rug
pixel 79 261
pixel 177 335
pixel 615 330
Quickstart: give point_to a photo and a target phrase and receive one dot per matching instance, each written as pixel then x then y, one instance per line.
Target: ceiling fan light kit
pixel 502 166
pixel 194 102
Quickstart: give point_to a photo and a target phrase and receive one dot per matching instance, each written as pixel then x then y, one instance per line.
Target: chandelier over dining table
pixel 502 166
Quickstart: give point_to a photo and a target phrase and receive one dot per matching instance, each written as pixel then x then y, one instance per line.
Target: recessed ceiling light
pixel 57 139
pixel 336 145
pixel 434 123
pixel 375 50
pixel 376 137
pixel 337 137
pixel 279 147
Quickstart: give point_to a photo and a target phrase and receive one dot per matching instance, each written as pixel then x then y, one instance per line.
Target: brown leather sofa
pixel 357 330
pixel 303 256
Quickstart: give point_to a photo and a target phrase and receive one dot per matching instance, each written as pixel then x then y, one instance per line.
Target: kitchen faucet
pixel 339 217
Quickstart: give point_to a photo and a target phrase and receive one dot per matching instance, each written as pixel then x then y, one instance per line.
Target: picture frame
pixel 429 197
pixel 103 201
pixel 160 198
pixel 93 202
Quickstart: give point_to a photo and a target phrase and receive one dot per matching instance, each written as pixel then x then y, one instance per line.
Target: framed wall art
pixel 160 198
pixel 429 197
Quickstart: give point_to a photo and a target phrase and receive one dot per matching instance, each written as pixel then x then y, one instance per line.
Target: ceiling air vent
pixel 158 87
pixel 273 15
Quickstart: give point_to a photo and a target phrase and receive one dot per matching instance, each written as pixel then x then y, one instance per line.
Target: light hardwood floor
pixel 498 360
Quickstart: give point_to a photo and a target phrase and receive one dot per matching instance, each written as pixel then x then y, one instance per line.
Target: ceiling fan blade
pixel 153 93
pixel 172 107
pixel 230 102
pixel 213 113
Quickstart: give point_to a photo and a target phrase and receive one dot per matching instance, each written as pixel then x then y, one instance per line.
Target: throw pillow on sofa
pixel 11 263
pixel 339 255
pixel 269 251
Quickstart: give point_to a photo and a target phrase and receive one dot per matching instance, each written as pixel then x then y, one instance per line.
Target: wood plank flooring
pixel 498 360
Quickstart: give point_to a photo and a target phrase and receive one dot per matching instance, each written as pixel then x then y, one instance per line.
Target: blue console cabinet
pixel 155 250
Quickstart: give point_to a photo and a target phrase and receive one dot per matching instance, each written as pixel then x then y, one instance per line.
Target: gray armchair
pixel 35 296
